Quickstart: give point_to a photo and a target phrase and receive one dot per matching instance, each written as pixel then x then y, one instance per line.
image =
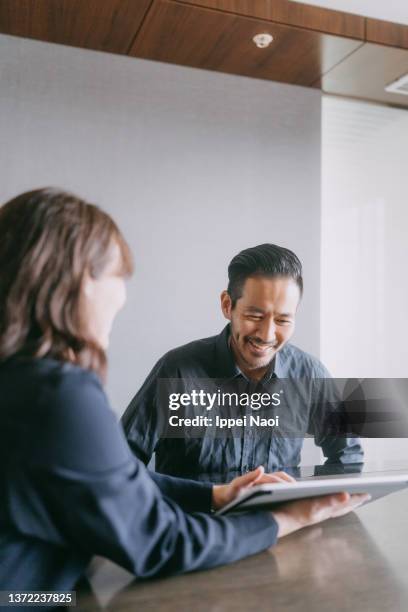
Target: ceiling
pixel 340 53
pixel 391 10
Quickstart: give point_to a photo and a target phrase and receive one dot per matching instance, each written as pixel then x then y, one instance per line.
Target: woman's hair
pixel 48 240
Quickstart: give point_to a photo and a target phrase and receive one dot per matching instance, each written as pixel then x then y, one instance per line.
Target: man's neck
pixel 255 375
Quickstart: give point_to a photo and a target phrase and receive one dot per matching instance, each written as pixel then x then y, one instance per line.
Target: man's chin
pixel 257 364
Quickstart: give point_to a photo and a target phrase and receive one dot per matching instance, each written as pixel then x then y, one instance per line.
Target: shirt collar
pixel 227 368
pixel 279 370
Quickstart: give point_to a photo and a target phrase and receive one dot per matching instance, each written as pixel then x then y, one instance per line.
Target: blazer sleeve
pixel 190 495
pixel 83 489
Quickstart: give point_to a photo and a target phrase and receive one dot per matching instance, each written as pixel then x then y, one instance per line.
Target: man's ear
pixel 226 305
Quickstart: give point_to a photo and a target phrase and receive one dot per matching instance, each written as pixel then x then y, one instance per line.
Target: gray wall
pixel 193 165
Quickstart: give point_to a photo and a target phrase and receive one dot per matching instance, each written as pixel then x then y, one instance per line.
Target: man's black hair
pixel 263 260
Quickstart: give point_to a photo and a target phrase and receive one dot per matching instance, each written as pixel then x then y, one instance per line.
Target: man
pixel 253 351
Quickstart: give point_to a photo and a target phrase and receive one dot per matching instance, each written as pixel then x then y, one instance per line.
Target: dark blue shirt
pixel 209 457
pixel 70 488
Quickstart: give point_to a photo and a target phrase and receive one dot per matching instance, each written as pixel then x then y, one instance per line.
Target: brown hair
pixel 48 239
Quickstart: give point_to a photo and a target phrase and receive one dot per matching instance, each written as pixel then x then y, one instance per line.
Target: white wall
pixel 364 255
pixel 193 165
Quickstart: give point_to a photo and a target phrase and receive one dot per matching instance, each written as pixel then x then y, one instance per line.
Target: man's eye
pixel 254 317
pixel 283 321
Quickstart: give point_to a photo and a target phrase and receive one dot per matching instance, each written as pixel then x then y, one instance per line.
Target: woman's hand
pixel 224 494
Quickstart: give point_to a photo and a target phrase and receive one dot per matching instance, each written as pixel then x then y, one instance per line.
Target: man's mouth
pixel 260 349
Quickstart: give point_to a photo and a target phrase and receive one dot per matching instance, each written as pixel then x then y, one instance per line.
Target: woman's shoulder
pixel 66 414
pixel 46 369
pixel 65 379
pixel 49 384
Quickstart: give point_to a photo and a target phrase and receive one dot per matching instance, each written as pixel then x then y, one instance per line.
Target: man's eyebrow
pixel 258 310
pixel 254 309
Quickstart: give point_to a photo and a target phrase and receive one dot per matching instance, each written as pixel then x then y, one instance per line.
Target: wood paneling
pixel 385 33
pixel 367 72
pixel 312 46
pixel 105 25
pixel 292 13
pixel 208 39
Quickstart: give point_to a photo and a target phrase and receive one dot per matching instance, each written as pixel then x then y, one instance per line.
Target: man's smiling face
pixel 262 321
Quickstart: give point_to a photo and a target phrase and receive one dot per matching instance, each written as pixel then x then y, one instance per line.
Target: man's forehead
pixel 260 293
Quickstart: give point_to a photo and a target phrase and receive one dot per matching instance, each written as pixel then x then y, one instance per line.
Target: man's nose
pixel 267 331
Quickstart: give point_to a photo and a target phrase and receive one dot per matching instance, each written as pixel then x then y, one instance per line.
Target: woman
pixel 70 487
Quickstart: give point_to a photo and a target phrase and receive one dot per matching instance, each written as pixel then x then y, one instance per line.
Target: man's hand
pixel 297 514
pixel 224 494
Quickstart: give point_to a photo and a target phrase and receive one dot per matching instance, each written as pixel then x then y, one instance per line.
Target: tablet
pixel 262 496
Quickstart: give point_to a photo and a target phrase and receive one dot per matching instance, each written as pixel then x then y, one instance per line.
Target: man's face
pixel 262 321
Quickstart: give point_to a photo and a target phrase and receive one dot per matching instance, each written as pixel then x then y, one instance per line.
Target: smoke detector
pixel 263 40
pixel 400 86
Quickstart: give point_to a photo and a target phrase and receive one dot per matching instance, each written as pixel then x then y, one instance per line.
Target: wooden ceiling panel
pixel 292 13
pixel 105 25
pixel 312 46
pixel 202 38
pixel 385 33
pixel 367 72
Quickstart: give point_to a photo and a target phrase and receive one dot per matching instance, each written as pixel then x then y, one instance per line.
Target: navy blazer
pixel 70 488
